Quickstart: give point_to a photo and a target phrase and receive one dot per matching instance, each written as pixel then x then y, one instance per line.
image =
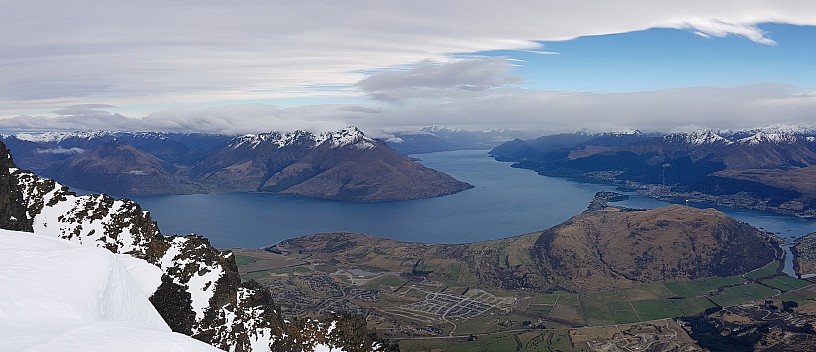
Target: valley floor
pixel 449 312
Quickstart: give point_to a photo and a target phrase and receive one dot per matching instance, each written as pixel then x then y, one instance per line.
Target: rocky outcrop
pixel 201 293
pixel 13 214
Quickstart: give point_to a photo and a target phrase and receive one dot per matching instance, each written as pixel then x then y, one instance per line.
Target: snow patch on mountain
pixel 623 132
pixel 762 137
pixel 349 136
pixel 699 137
pixel 57 137
pixel 95 220
pixel 198 276
pixel 46 304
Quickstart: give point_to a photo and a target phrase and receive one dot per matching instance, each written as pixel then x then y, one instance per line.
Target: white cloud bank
pixel 737 107
pixel 150 55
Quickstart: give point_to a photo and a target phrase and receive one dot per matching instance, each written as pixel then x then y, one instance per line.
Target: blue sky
pixel 386 65
pixel 661 58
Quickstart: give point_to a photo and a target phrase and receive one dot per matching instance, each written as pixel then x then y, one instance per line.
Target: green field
pixel 622 312
pixel 785 283
pixel 499 343
pixel 700 287
pixel 656 309
pixel 245 259
pixel 799 296
pixel 387 281
pixel 695 305
pixel 764 271
pixel 596 312
pixel 545 299
pixel 531 341
pixel 741 294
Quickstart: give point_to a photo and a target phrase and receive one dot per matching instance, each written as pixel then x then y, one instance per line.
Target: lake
pixel 505 202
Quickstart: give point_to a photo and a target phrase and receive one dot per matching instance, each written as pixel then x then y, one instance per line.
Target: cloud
pixel 663 110
pixel 711 27
pixel 61 151
pixel 232 119
pixel 512 108
pixel 468 75
pixel 178 53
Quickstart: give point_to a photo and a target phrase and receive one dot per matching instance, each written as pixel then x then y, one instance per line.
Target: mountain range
pixel 199 293
pixel 768 169
pixel 441 138
pixel 343 165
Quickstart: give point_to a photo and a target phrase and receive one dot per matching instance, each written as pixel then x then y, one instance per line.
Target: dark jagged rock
pixel 201 293
pixel 12 210
pixel 172 301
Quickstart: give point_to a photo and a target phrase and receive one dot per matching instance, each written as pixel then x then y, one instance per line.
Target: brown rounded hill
pixel 593 251
pixel 597 249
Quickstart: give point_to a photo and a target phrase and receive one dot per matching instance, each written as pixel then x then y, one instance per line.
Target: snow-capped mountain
pixel 38 151
pixel 349 136
pixel 343 165
pixel 763 137
pixel 699 138
pixel 195 288
pixel 784 129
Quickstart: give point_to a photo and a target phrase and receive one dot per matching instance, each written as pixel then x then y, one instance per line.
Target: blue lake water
pixel 505 202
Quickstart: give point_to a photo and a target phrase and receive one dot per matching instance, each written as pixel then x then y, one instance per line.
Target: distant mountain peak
pixel 56 137
pixel 625 132
pixel 782 128
pixel 699 137
pixel 349 136
pixel 442 129
pixel 763 137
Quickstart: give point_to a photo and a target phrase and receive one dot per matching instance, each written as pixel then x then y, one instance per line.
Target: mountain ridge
pixel 765 169
pixel 327 165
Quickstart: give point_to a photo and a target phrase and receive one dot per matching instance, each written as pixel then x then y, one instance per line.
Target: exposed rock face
pixel 205 280
pixel 13 215
pixel 201 292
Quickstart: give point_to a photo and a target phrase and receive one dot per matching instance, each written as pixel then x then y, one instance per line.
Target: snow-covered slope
pixel 194 287
pixel 189 263
pixel 46 304
pixel 349 136
pixel 698 138
pixel 762 137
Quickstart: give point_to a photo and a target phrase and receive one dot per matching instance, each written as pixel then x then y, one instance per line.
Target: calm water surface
pixel 505 202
